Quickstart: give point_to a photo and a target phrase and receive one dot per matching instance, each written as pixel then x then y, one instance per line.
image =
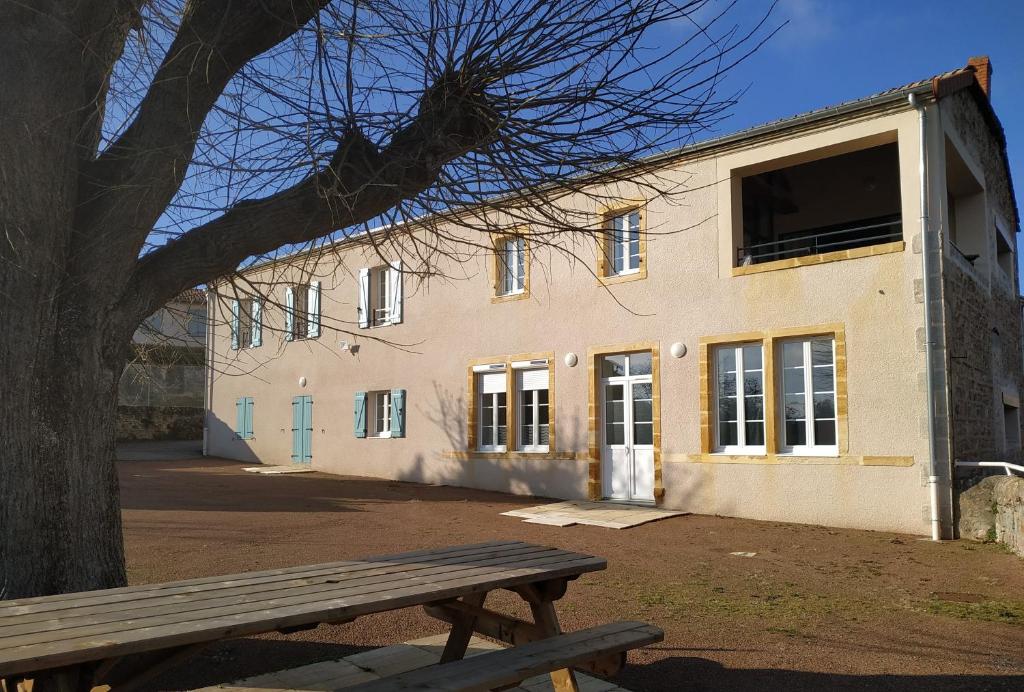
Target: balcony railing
pixel 826 240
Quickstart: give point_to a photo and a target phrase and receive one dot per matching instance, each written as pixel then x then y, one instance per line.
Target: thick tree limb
pixel 129 186
pixel 359 183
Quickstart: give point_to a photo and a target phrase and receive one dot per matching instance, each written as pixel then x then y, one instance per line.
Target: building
pixel 161 391
pixel 790 267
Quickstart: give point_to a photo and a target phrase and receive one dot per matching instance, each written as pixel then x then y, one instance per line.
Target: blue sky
pixel 836 50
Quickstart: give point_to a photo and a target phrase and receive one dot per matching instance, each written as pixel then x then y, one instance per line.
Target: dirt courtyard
pixel 814 609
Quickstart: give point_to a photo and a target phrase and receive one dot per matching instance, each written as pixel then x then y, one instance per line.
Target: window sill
pixel 825 258
pixel 461 455
pixel 790 459
pixel 611 279
pixel 509 297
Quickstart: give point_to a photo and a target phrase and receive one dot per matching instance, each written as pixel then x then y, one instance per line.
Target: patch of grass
pixel 1008 611
pixel 775 603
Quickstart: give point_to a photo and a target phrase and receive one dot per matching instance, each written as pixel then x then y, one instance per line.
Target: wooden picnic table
pixel 124 637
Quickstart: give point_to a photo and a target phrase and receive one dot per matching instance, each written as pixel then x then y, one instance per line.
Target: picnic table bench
pixel 124 637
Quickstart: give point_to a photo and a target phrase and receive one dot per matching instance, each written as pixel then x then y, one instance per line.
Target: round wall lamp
pixel 678 349
pixel 302 381
pixel 571 360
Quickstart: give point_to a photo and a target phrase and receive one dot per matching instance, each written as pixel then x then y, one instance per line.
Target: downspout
pixel 929 337
pixel 208 373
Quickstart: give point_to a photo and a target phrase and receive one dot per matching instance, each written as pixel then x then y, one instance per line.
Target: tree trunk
pixel 60 524
pixel 59 509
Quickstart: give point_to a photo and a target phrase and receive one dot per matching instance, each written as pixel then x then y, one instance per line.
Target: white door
pixel 627 425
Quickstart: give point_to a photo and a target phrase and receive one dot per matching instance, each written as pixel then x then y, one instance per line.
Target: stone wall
pixel 159 423
pixel 983 316
pixel 994 510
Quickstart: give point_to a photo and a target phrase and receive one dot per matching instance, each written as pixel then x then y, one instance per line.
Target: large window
pixel 492 408
pixel 622 246
pixel 739 399
pixel 779 395
pixel 532 392
pixel 511 266
pixel 808 385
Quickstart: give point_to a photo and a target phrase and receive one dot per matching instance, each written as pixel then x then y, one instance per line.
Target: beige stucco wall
pixel 689 293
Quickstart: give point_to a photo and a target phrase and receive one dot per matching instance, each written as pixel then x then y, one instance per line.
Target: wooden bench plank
pixel 78 650
pixel 154 616
pixel 327 581
pixel 22 607
pixel 510 666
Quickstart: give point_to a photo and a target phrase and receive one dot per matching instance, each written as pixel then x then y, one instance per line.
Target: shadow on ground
pixel 227 488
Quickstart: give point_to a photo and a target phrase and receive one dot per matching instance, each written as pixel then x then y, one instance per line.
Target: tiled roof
pixel 191 296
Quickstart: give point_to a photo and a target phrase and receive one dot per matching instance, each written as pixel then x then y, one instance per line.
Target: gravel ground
pixel 814 609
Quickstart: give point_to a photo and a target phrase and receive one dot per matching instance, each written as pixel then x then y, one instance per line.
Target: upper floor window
pixel 195 323
pixel 511 266
pixel 302 311
pixel 380 295
pixel 622 244
pixel 246 323
pixel 832 204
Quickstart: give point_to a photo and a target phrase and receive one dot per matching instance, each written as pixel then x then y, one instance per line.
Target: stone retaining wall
pixel 994 510
pixel 159 423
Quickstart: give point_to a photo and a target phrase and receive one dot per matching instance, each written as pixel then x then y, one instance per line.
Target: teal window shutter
pixel 240 418
pixel 307 428
pixel 257 323
pixel 296 428
pixel 248 417
pixel 397 413
pixel 234 324
pixel 359 418
pixel 289 313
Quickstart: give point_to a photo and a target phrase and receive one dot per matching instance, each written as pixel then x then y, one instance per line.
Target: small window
pixel 196 323
pixel 380 423
pixel 1011 428
pixel 511 266
pixel 808 397
pixel 300 312
pixel 380 296
pixel 622 244
pixel 1004 254
pixel 492 410
pixel 534 423
pixel 739 399
pixel 245 323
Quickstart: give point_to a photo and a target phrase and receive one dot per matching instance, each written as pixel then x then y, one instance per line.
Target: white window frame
pixel 623 244
pixel 535 406
pixel 380 296
pixel 380 428
pixel 479 372
pixel 741 424
pixel 811 448
pixel 512 266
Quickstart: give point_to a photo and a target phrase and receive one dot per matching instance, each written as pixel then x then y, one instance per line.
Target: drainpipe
pixel 934 477
pixel 208 369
